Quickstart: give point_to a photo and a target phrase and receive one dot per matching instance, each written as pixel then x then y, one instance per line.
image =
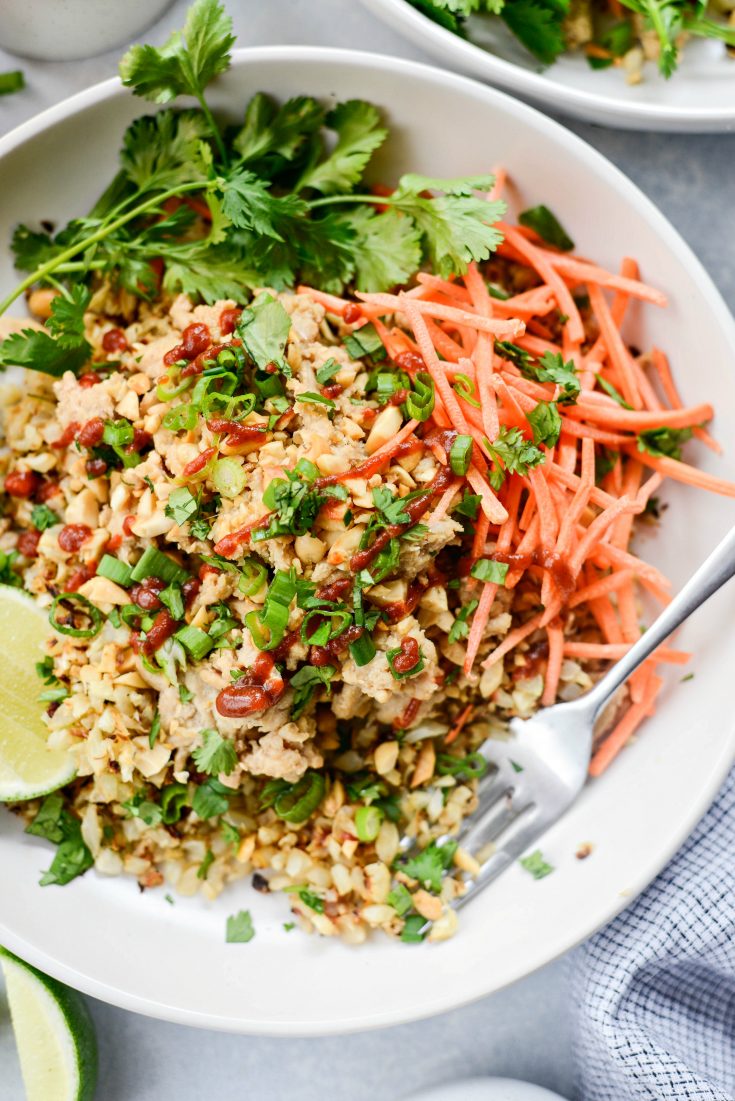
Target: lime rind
pixel 54 1033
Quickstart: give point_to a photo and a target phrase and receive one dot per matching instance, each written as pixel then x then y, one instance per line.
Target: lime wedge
pixel 54 1033
pixel 28 768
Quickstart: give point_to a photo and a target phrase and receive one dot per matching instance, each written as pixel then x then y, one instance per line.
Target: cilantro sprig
pixel 280 200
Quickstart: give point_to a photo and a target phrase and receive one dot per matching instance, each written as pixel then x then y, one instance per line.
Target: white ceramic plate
pixel 699 97
pixel 102 935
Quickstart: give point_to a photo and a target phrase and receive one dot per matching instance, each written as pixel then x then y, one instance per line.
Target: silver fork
pixel 541 769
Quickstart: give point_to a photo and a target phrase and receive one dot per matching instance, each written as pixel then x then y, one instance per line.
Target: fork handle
pixel 711 576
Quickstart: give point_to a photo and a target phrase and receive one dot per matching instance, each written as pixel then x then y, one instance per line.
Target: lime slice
pixel 54 1033
pixel 27 766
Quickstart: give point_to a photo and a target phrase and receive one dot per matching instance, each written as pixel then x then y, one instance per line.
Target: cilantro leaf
pixel 58 825
pixel 552 368
pixel 264 329
pixel 66 322
pixel 305 682
pixel 272 132
pixel 664 441
pixel 239 928
pixel 545 423
pixel 385 249
pixel 159 150
pixel 429 865
pixel 460 628
pixel 31 249
pixel 209 271
pixel 359 133
pixel 535 864
pixel 36 350
pixel 43 517
pixel 216 755
pixel 187 62
pixel 514 453
pixel 248 204
pixel 456 226
pixel 211 798
pixel 182 505
pixel 539 25
pixel 548 227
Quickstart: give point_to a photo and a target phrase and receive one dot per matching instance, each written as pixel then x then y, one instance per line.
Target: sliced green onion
pixel 130 615
pixel 391 655
pixel 253 576
pixel 301 799
pixel 153 563
pixel 166 393
pixel 13 81
pixel 465 388
pixel 268 627
pixel 114 570
pixel 118 433
pixel 473 766
pixel 155 729
pixel 420 402
pixel 315 399
pixel 86 607
pixel 181 417
pixel 196 642
pixel 173 801
pixel 368 821
pixel 460 455
pixel 362 651
pixel 229 477
pixel 227 358
pixel 487 569
pixel 326 630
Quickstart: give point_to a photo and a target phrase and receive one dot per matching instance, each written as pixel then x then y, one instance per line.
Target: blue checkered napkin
pixel 654 991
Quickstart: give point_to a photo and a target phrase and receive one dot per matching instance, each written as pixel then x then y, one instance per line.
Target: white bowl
pixel 62 30
pixel 699 97
pixel 102 935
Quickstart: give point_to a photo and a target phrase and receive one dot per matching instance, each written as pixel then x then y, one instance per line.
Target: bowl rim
pixel 471 990
pixel 585 104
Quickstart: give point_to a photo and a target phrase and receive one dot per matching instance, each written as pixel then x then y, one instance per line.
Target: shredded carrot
pixel 457 728
pixel 625 729
pixel 555 636
pixel 560 522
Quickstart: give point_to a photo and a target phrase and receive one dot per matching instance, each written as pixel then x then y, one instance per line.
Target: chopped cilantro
pixel 215 755
pixel 535 865
pixel 239 928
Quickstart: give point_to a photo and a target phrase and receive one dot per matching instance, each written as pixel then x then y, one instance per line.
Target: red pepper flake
pixel 48 489
pixel 67 436
pixel 95 467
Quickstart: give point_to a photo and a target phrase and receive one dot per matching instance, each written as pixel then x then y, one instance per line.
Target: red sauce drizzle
pixel 145 593
pixel 28 543
pixel 409 715
pixel 91 378
pixel 163 627
pixel 195 339
pixel 115 340
pixel 22 483
pixel 415 510
pixel 85 573
pixel 257 690
pixel 73 536
pixel 91 432
pixel 235 431
pixel 373 464
pixel 228 319
pixel 198 464
pixel 408 657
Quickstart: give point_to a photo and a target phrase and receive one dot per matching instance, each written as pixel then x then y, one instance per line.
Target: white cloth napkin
pixel 654 991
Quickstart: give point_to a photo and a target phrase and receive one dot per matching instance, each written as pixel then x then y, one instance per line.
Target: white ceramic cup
pixel 61 30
